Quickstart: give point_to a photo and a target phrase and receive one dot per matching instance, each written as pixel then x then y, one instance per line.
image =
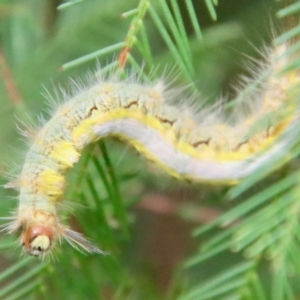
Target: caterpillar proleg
pixel 199 148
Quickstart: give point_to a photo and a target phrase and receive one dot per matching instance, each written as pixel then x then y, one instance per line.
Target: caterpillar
pixel 198 147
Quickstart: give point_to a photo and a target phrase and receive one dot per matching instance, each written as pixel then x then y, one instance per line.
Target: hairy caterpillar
pixel 206 149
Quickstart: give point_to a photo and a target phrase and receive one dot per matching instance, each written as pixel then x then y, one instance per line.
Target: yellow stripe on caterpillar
pixel 50 183
pixel 65 153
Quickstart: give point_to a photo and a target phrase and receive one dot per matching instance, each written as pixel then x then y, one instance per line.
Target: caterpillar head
pixel 37 240
pixel 40 231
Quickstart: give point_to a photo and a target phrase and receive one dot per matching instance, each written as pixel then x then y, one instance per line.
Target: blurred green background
pixel 149 237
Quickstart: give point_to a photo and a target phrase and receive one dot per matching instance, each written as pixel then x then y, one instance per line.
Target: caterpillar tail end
pixel 41 230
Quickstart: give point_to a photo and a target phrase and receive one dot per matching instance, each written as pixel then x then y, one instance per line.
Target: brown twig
pixel 8 81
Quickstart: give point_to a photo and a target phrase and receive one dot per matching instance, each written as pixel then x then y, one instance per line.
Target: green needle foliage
pixel 250 251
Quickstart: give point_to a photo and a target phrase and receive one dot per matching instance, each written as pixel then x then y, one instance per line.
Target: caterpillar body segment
pixel 185 146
